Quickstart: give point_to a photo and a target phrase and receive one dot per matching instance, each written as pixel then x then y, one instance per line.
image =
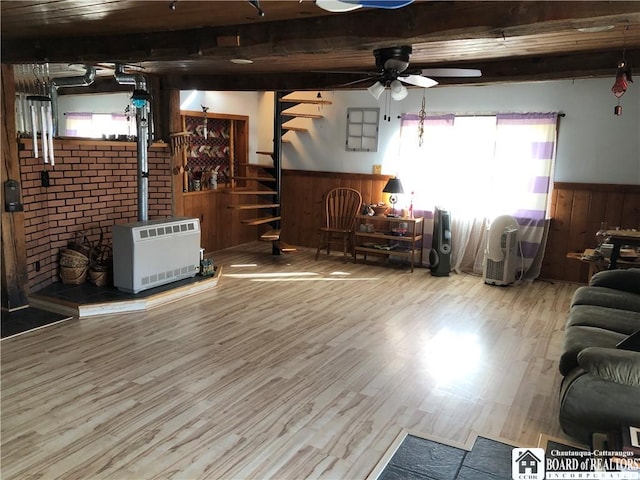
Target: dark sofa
pixel 601 385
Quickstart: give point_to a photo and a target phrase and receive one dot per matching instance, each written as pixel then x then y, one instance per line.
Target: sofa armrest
pixel 619 366
pixel 625 280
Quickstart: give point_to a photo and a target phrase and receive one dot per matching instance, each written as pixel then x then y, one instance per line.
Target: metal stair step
pixel 260 220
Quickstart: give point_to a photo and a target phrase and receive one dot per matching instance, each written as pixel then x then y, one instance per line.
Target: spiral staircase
pixel 264 181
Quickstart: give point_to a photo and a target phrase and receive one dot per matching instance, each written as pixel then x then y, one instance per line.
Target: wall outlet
pixel 377 169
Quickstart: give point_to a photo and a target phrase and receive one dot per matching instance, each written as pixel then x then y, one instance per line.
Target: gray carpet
pixel 421 459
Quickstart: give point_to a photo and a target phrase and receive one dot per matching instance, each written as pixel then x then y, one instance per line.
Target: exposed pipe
pixel 79 81
pixel 142 140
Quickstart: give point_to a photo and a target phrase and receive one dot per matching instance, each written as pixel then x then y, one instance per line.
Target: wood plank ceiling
pixel 296 43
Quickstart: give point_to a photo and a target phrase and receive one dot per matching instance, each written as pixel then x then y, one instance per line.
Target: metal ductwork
pixel 143 139
pixel 80 81
pixel 61 82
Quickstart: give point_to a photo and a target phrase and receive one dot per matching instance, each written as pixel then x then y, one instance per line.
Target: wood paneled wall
pixel 303 194
pixel 14 268
pixel 577 210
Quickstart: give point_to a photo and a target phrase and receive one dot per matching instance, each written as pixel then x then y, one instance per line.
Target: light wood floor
pixel 289 369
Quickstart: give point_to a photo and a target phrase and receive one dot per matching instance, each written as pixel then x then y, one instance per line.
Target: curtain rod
pixel 484 114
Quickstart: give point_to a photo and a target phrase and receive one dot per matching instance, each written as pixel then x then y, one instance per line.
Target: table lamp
pixel 394 187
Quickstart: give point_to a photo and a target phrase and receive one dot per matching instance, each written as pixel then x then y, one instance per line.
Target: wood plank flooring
pixel 289 369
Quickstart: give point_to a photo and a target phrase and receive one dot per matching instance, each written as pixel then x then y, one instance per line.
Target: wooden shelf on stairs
pixel 260 220
pixel 270 235
pixel 289 113
pixel 254 206
pixel 293 128
pixel 313 101
pixel 253 192
pixel 257 179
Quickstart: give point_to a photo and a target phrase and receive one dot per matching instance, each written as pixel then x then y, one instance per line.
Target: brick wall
pixel 93 184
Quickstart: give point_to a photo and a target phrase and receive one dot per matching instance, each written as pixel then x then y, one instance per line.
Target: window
pixel 362 129
pixel 479 166
pixel 98 125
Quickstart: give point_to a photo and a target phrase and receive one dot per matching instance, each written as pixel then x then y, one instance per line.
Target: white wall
pixel 593 144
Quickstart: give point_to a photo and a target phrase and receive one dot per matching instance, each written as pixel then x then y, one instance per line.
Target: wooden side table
pixel 598 264
pixel 619 238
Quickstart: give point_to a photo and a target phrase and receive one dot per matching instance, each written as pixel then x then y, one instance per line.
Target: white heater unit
pixel 156 252
pixel 501 254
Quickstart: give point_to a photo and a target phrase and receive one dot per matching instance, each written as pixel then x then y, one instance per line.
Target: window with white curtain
pixel 480 167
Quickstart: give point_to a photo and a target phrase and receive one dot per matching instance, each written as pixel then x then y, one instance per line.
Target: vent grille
pixel 164 230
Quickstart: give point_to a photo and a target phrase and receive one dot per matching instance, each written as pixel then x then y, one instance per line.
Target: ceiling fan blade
pixel 418 81
pixel 367 79
pixel 451 72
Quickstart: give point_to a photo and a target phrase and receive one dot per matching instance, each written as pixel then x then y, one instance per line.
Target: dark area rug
pixel 421 459
pixel 26 319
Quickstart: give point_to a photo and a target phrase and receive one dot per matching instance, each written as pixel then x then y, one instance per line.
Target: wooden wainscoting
pixel 303 200
pixel 577 210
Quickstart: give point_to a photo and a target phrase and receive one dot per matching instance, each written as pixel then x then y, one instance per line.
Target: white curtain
pixel 478 168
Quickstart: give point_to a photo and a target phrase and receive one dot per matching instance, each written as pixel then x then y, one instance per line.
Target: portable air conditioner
pixel 500 256
pixel 152 253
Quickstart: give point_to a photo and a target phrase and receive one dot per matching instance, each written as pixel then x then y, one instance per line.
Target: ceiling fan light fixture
pixel 376 90
pixel 398 90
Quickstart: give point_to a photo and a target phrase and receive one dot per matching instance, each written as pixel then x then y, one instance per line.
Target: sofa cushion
pixel 606 297
pixel 621 321
pixel 590 404
pixel 579 337
pixel 619 366
pixel 625 280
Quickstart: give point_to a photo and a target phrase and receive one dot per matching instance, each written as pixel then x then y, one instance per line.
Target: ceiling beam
pixel 603 64
pixel 419 22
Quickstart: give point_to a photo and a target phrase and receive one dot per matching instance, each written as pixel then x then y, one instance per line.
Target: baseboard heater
pixel 151 253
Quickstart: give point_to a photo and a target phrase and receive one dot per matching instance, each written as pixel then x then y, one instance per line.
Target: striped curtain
pixel 525 154
pixel 479 168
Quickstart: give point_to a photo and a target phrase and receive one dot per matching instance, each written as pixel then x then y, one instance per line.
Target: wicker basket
pixel 100 271
pixel 82 240
pixel 73 267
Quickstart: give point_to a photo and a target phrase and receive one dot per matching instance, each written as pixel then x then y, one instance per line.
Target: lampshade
pixel 393 186
pixel 376 90
pixel 398 90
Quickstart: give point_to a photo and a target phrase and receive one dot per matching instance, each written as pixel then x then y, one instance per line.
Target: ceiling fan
pixel 393 70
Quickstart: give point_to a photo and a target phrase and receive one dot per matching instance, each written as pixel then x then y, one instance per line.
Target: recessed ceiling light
pixel 241 61
pixel 601 28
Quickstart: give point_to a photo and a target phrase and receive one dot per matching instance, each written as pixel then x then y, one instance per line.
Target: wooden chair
pixel 342 204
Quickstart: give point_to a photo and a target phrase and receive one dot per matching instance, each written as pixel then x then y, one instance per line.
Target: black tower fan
pixel 440 254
